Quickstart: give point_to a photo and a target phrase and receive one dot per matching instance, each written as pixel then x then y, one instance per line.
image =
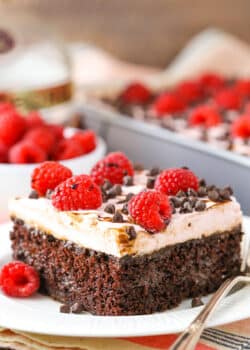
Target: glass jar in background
pixel 35 70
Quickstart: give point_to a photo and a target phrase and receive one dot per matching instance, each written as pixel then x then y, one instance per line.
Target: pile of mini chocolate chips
pixel 187 202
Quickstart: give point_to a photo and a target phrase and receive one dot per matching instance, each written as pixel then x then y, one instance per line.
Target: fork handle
pixel 190 337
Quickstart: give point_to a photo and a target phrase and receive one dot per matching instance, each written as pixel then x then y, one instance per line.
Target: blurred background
pixel 140 31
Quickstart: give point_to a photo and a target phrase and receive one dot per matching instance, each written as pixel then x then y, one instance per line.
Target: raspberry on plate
pixel 26 152
pixel 87 139
pixel 49 175
pixel 18 279
pixel 167 103
pixel 228 99
pixel 67 149
pixel 173 180
pixel 114 167
pixel 12 126
pixel 136 93
pixel 205 116
pixel 151 209
pixel 241 127
pixel 42 137
pixel 76 193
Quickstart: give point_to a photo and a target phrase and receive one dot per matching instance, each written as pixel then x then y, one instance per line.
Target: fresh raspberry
pixel 113 168
pixel 228 99
pixel 67 149
pixel 18 279
pixel 189 91
pixel 12 126
pixel 56 130
pixel 171 181
pixel 25 152
pixel 241 127
pixel 49 175
pixel 3 153
pixel 42 137
pixel 87 139
pixel 6 106
pixel 34 120
pixel 205 116
pixel 136 93
pixel 77 193
pixel 211 82
pixel 247 108
pixel 168 103
pixel 150 209
pixel 243 87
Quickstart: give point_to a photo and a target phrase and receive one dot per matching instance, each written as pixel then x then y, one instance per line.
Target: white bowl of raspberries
pixel 26 140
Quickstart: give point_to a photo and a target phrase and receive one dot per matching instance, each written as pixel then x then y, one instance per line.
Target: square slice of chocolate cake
pixel 109 265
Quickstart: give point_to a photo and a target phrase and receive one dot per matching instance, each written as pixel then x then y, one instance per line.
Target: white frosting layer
pixel 89 229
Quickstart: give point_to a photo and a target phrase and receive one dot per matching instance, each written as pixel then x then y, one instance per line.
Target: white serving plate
pixel 40 314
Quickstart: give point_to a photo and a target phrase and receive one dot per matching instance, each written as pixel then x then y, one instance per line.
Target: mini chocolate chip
pixel 117 217
pixel 153 172
pixel 33 195
pixel 187 207
pixel 196 302
pixel 110 208
pixel 180 194
pixel 74 186
pixel 202 182
pixel 116 190
pixel 200 206
pixel 150 182
pixel 65 309
pixel 185 167
pixel 130 230
pixel 138 167
pixel 225 194
pixel 128 181
pixel 107 185
pixel 211 188
pixel 213 195
pixel 104 196
pixel 177 202
pixel 76 308
pixel 125 209
pixel 202 191
pixel 48 194
pixel 229 189
pixel 192 201
pixel 129 196
pixel 191 192
pixel 126 199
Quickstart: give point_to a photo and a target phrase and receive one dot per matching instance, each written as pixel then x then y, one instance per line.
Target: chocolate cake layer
pixel 108 285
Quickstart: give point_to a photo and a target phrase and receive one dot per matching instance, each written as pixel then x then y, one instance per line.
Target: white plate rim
pixel 234 308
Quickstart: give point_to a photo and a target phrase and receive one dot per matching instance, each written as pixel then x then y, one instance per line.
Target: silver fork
pixel 190 337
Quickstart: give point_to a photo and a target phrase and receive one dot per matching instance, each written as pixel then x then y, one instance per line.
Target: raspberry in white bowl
pixel 26 140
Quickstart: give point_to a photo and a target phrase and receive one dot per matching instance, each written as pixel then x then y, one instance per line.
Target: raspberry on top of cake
pixel 119 209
